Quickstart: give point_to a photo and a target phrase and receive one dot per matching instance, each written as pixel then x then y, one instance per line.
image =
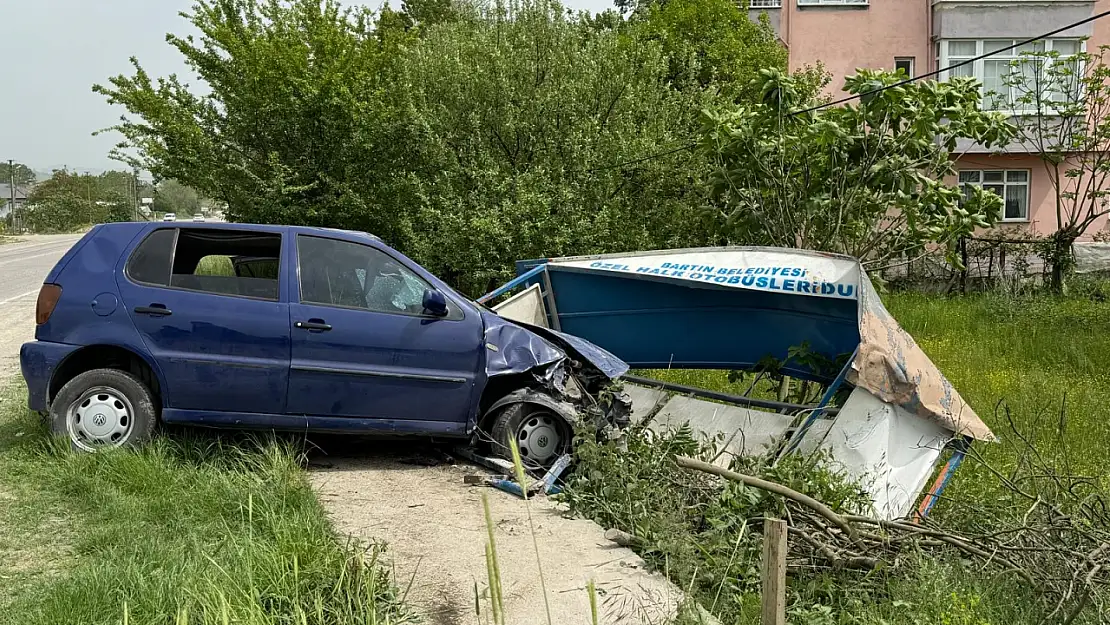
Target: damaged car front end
pixel 542 386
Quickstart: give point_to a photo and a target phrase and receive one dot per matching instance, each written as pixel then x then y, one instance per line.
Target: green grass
pixel 215 266
pixel 1044 360
pixel 193 529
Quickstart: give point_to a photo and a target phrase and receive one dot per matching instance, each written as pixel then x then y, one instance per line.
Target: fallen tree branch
pixel 771 487
pixel 844 523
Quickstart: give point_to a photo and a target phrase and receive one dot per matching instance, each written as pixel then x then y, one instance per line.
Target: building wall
pixel 846 38
pixel 1042 194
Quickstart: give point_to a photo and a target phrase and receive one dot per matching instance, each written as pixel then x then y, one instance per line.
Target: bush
pixel 704 534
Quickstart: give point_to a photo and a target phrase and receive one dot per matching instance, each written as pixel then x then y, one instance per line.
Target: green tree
pixel 173 197
pixel 113 207
pixel 1064 98
pixel 864 179
pixel 303 140
pixel 61 203
pixel 24 175
pixel 68 200
pixel 713 42
pixel 506 132
pixel 522 122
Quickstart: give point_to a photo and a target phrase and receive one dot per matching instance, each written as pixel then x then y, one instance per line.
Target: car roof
pixel 222 225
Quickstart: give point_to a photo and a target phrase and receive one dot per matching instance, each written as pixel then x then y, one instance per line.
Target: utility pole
pixel 136 172
pixel 16 222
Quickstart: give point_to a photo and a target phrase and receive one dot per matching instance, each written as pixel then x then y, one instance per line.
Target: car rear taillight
pixel 49 295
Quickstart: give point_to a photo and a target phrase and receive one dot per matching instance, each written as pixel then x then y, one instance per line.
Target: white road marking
pixel 22 258
pixel 23 247
pixel 12 299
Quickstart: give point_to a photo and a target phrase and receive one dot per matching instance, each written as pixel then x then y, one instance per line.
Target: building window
pixel 765 4
pixel 813 3
pixel 904 64
pixel 1012 185
pixel 997 72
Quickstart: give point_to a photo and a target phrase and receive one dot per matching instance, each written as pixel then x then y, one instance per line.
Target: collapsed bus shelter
pixel 734 308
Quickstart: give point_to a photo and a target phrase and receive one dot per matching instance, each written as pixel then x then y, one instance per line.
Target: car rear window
pixel 239 263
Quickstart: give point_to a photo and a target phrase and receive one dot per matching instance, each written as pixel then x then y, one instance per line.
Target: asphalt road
pixel 23 266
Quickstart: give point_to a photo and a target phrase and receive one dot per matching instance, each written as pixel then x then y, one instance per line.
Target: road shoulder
pixel 436 533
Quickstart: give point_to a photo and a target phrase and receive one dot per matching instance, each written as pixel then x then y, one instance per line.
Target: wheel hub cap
pixel 101 417
pixel 539 438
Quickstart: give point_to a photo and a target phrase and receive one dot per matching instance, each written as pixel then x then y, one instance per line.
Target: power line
pixel 953 66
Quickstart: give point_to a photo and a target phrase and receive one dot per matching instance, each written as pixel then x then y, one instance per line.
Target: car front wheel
pixel 540 435
pixel 103 408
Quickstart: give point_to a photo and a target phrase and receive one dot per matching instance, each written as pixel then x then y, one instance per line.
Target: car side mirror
pixel 434 303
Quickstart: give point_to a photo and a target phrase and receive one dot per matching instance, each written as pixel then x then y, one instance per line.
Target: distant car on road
pixel 169 217
pixel 198 218
pixel 294 328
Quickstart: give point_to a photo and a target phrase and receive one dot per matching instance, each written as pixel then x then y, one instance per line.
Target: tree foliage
pixel 68 200
pixel 472 135
pixel 713 42
pixel 24 175
pixel 173 197
pixel 493 134
pixel 521 122
pixel 289 122
pixel 864 179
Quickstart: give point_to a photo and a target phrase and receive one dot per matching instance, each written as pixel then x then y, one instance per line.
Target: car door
pixel 220 339
pixel 363 347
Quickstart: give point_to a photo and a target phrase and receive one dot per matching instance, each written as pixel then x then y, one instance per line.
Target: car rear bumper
pixel 38 360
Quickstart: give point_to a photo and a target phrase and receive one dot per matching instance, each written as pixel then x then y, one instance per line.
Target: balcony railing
pixel 765 4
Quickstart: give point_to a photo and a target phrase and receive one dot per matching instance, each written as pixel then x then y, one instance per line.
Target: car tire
pixel 104 408
pixel 542 436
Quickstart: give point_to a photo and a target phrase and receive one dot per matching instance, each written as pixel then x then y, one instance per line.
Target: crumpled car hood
pixel 513 347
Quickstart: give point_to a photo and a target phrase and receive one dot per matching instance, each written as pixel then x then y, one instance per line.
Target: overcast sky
pixel 53 51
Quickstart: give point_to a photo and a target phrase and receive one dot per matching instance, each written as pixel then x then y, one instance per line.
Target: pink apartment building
pixel 923 35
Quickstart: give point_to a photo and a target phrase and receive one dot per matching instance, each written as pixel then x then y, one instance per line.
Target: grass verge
pixel 193 529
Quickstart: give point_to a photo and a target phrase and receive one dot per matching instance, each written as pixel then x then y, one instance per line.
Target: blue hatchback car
pixel 294 328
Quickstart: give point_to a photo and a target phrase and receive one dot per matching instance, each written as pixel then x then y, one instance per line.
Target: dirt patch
pixel 436 533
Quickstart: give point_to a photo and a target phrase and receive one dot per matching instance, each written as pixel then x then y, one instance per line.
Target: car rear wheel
pixel 541 435
pixel 102 409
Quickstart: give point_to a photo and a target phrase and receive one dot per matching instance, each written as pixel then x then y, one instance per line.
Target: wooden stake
pixel 774 572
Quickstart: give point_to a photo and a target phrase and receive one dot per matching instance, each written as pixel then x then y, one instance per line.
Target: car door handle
pixel 316 325
pixel 154 309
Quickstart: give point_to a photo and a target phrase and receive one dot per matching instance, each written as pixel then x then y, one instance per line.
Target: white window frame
pixel 945 59
pixel 912 61
pixel 1005 183
pixel 833 3
pixel 765 4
